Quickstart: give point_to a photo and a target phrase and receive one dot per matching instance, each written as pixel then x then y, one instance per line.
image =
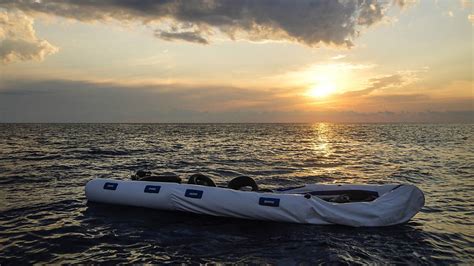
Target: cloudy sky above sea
pixel 236 61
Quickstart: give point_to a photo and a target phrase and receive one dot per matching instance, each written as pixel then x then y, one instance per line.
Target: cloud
pixel 384 82
pixel 134 96
pixel 399 80
pixel 399 98
pixel 405 3
pixel 18 41
pixel 85 101
pixel 466 4
pixel 376 84
pixel 337 57
pixel 309 22
pixel 189 36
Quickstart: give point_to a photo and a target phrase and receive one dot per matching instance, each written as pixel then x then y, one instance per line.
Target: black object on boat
pixel 200 179
pixel 167 177
pixel 242 181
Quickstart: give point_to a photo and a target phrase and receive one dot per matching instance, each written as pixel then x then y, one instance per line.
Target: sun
pixel 322 89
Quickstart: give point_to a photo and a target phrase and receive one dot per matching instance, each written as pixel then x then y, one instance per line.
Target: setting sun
pixel 322 89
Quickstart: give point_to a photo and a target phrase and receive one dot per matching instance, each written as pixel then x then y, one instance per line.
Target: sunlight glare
pixel 322 89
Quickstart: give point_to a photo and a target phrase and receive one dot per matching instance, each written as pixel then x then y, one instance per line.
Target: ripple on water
pixel 44 216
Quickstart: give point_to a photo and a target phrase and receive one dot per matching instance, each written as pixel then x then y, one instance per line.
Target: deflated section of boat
pixel 397 204
pixel 394 207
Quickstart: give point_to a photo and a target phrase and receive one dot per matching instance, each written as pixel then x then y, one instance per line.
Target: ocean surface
pixel 45 217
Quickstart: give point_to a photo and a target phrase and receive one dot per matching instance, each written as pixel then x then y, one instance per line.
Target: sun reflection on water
pixel 321 138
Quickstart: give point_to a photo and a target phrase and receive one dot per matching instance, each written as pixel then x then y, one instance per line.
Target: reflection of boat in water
pixel 345 204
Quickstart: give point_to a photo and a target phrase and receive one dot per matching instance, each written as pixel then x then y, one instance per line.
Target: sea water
pixel 45 217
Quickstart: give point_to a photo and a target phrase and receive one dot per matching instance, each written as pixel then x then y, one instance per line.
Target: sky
pixel 237 61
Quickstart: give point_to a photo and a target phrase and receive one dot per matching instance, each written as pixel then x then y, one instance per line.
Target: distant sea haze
pixel 45 218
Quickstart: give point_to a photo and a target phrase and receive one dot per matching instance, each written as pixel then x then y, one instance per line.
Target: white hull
pixel 396 203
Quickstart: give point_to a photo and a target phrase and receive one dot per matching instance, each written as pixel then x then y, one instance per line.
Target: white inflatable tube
pixel 395 203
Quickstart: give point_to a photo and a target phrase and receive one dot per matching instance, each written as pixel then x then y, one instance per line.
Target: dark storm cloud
pixel 309 22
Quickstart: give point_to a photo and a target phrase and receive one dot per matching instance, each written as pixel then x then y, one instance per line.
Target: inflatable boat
pixel 343 204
